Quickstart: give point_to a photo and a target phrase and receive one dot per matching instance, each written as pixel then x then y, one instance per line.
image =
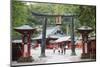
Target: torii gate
pixel 45 16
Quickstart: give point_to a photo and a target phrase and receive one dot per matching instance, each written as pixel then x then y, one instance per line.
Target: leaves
pixel 21 14
pixel 87 15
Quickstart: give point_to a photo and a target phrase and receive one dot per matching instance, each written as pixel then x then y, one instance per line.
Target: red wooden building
pixel 55 36
pixel 52 34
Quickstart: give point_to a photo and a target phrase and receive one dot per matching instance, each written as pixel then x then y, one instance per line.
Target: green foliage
pixel 87 15
pixel 19 16
pixel 22 14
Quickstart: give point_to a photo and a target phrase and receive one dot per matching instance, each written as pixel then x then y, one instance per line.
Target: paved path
pixel 53 57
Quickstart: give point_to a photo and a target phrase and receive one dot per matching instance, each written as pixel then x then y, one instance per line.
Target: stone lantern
pixel 84 31
pixel 26 31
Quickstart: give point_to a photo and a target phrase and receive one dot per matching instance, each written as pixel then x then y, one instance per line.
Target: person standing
pixel 59 50
pixel 64 47
pixel 64 50
pixel 54 49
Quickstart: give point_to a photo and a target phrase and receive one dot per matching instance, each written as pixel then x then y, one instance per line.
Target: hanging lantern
pixel 58 20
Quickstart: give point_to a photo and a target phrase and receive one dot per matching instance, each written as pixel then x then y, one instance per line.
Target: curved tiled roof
pixel 50 32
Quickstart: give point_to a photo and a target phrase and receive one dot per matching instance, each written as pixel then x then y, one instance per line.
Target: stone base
pixel 73 54
pixel 93 56
pixel 85 56
pixel 25 59
pixel 42 56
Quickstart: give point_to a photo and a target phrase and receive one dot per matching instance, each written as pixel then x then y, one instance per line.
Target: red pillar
pixel 83 43
pixel 83 47
pixel 29 44
pixel 22 45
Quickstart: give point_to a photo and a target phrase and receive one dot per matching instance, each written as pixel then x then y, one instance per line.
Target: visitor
pixel 62 50
pixel 64 47
pixel 54 49
pixel 59 50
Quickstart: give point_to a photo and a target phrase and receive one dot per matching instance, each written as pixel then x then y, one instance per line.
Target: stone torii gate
pixel 46 16
pixel 26 31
